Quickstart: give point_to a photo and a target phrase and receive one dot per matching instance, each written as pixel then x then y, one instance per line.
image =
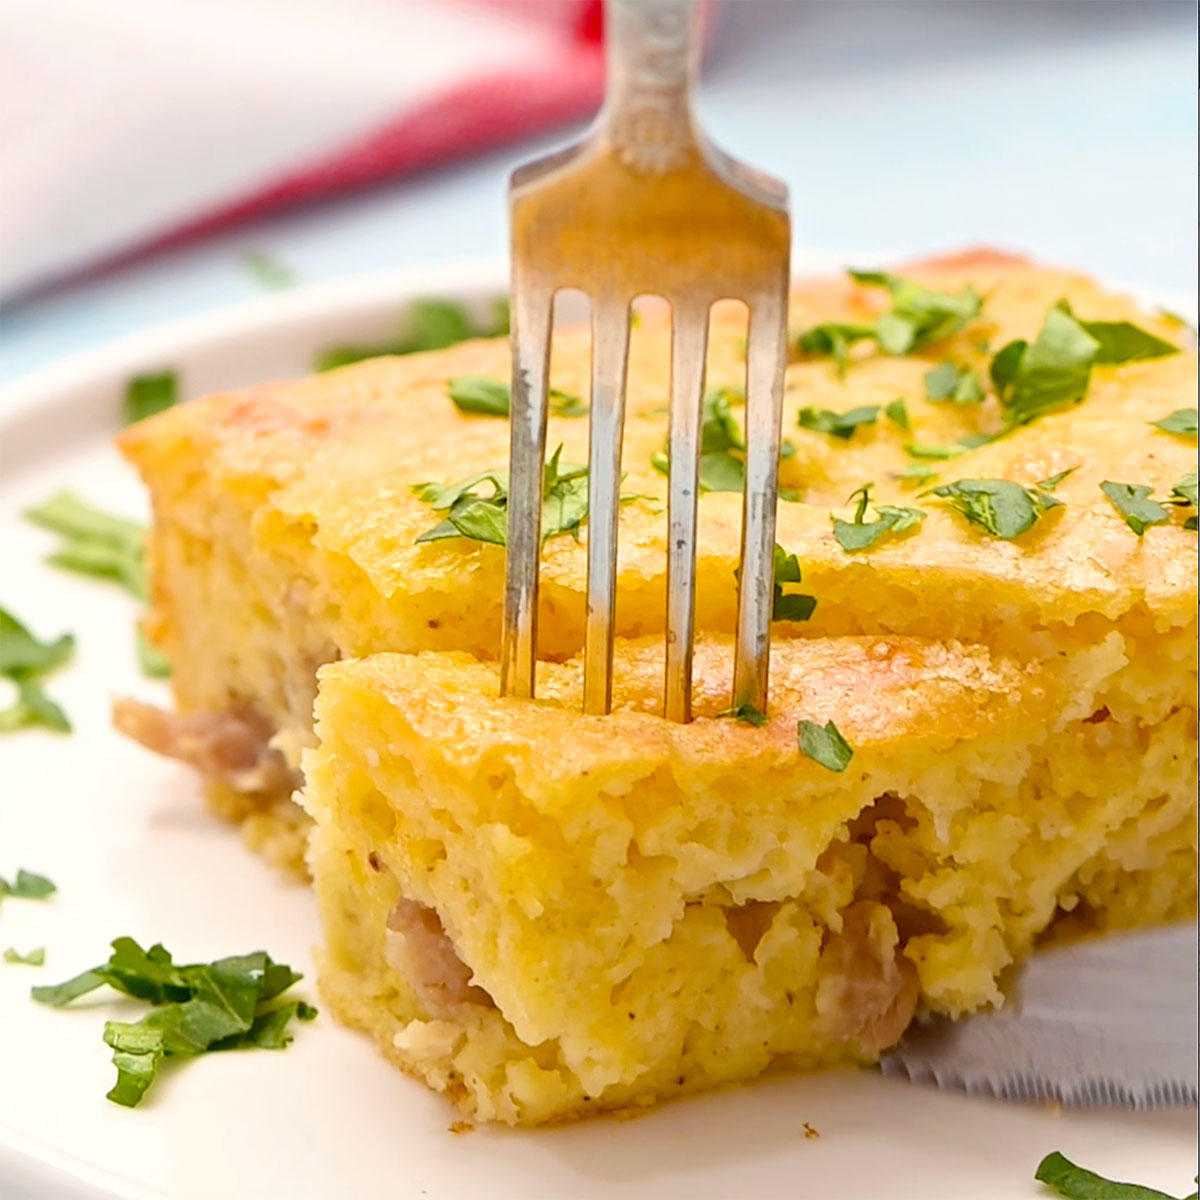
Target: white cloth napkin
pixel 124 123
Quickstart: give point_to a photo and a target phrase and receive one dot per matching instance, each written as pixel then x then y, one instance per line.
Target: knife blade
pixel 1109 1020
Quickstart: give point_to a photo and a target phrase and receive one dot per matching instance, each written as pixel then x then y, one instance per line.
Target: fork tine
pixel 765 361
pixel 610 352
pixel 531 323
pixel 688 350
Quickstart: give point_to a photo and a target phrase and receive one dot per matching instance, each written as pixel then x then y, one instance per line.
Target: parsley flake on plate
pixel 1005 509
pixel 34 958
pixel 860 534
pixel 824 744
pixel 146 395
pixel 95 542
pixel 23 661
pixel 268 271
pixel 948 381
pixel 104 546
pixel 839 425
pixel 1181 422
pixel 224 1005
pixel 1077 1183
pixel 1133 502
pixel 27 886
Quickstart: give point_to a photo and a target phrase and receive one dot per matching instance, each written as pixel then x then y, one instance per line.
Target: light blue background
pixel 1065 128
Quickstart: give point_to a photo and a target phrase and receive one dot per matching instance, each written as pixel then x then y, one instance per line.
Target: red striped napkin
pixel 133 124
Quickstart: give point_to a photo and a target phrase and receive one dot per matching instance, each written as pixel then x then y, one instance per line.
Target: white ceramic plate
pixel 134 852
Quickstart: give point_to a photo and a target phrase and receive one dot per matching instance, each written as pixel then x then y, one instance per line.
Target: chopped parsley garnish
pixel 479 394
pixel 94 542
pixel 789 606
pixel 948 381
pixel 897 412
pixel 833 340
pixel 968 441
pixel 21 653
pixel 482 516
pixel 104 546
pixel 1049 484
pixel 1122 342
pixel 33 707
pixel 1051 374
pixel 566 404
pixel 919 315
pixel 23 661
pixel 748 714
pixel 1076 1183
pixel 146 395
pixel 1132 501
pixel 34 958
pixel 839 425
pixel 1181 422
pixel 268 271
pixel 1184 490
pixel 824 744
pixel 722 445
pixel 923 450
pixel 430 325
pixel 489 397
pixel 1005 509
pixel 916 473
pixel 1054 372
pixel 222 1005
pixel 861 534
pixel 469 513
pixel 27 886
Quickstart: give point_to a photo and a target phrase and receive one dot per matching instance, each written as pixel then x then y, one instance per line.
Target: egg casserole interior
pixel 545 914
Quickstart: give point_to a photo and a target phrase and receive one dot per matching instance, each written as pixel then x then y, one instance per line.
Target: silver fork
pixel 646 205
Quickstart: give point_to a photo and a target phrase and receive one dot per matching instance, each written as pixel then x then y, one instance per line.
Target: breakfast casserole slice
pixel 544 914
pixel 287 517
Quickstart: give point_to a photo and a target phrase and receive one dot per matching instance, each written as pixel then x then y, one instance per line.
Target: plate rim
pixel 369 291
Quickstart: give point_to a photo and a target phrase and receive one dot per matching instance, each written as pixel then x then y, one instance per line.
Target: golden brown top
pixel 896 700
pixel 337 455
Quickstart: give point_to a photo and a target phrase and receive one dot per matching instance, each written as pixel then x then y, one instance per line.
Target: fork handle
pixel 652 55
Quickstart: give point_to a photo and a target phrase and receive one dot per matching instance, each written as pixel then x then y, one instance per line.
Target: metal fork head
pixel 646 205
